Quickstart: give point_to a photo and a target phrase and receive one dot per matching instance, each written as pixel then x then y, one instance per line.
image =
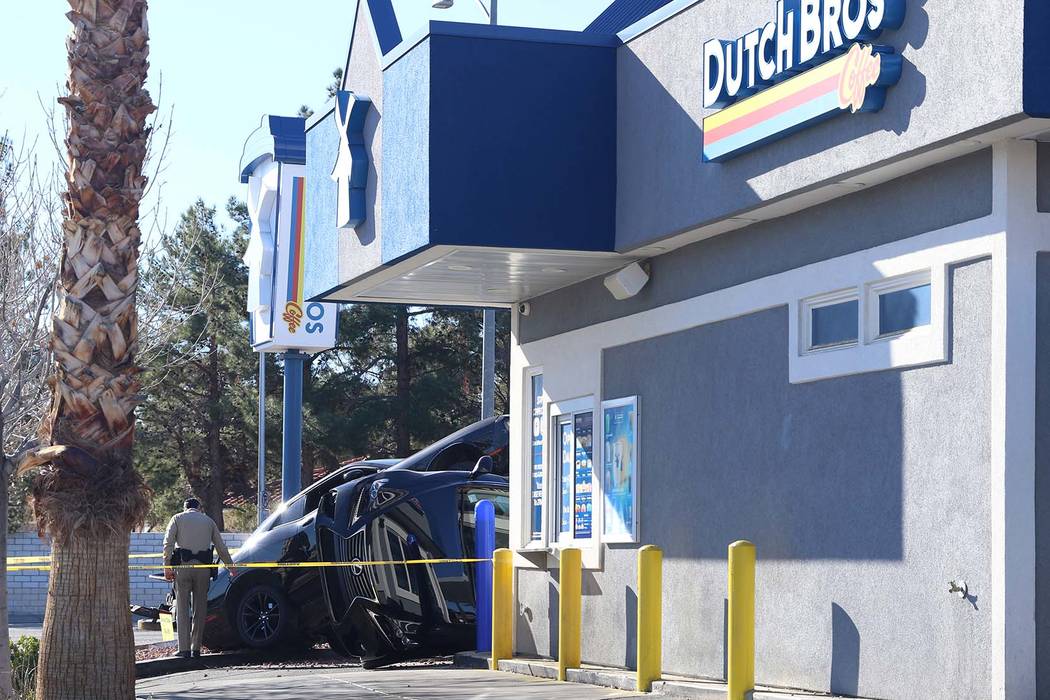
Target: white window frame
pixel 915 347
pixel 599 516
pixel 527 543
pixel 875 290
pixel 806 308
pixel 556 412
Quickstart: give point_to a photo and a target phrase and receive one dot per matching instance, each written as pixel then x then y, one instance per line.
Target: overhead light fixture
pixel 460 268
pixel 496 290
pixel 554 270
pixel 489 11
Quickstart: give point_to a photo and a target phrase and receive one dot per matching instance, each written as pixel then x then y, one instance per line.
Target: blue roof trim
pixel 505 33
pixel 384 20
pixel 622 14
pixel 1036 71
pixel 280 138
pixel 655 19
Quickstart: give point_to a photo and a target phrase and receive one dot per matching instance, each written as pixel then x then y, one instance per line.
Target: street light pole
pixel 488 364
pixel 260 507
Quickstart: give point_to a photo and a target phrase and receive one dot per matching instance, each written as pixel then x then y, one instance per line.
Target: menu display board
pixel 620 470
pixel 584 482
pixel 536 528
pixel 565 440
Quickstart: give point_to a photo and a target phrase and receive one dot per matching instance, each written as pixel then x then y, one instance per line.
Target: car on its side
pixel 393 611
pixel 301 604
pixel 253 608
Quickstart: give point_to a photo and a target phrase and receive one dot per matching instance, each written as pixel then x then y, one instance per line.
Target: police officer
pixel 189 540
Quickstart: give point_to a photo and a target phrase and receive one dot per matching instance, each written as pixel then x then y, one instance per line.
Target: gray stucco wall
pixel 948 87
pixel 942 195
pixel 865 495
pixel 407 128
pixel 1042 479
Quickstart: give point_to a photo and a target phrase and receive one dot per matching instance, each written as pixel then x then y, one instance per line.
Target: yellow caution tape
pixel 278 565
pixel 32 560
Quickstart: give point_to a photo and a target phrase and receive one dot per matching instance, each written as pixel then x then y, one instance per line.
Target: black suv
pixel 380 510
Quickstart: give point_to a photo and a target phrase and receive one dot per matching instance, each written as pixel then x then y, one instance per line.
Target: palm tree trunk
pixel 88 496
pixel 88 594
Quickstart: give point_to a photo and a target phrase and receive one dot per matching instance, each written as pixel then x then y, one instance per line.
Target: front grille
pixel 345 584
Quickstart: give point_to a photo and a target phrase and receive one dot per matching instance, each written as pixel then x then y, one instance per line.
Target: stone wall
pixel 27 590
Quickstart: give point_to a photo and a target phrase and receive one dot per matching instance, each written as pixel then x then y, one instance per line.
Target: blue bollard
pixel 484 546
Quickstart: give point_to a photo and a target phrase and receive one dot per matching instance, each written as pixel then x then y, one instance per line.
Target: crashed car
pixel 420 507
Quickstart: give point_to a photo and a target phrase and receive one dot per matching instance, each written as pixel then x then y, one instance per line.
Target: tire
pixel 262 616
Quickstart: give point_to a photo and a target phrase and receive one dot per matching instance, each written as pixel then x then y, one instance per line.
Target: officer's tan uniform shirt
pixel 195 531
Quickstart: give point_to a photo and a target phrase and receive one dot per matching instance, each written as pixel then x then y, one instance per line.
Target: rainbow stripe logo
pixel 856 81
pixel 293 309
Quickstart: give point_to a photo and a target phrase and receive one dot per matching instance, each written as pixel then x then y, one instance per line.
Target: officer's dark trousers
pixel 191 591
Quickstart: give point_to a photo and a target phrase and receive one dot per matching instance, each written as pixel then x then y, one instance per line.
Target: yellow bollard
pixel 569 611
pixel 502 607
pixel 650 620
pixel 741 642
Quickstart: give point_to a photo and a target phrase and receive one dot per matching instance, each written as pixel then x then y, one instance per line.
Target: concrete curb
pixel 152 668
pixel 241 657
pixel 622 679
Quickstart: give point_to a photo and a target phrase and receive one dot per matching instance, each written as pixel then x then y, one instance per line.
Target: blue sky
pixel 221 65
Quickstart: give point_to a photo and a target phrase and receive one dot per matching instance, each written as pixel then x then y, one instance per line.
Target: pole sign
pixel 813 61
pixel 281 318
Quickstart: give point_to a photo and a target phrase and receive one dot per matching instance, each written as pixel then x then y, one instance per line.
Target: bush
pixel 24 655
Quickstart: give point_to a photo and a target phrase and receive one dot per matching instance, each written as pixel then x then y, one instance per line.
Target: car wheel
pixel 262 616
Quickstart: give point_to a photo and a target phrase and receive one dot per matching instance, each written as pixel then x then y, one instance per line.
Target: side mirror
pixel 484 466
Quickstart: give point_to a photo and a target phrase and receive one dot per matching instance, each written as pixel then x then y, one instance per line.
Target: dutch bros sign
pixel 811 62
pixel 281 318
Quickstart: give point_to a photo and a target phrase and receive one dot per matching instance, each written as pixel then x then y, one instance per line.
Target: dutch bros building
pixel 778 271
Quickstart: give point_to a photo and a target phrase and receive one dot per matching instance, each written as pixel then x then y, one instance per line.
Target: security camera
pixel 524 308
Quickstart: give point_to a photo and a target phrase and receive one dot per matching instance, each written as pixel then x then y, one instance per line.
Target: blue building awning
pixel 492 170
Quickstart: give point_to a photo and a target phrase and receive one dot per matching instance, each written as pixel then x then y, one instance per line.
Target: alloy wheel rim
pixel 260 617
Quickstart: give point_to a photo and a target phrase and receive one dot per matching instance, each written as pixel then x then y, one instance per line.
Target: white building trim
pixel 1013 423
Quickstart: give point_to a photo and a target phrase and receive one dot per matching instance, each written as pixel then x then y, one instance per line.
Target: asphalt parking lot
pixel 341 683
